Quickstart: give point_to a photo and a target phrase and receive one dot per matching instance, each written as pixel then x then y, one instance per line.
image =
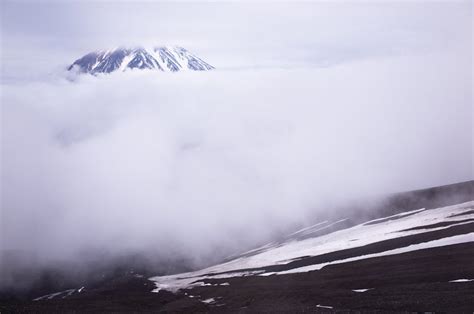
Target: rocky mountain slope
pixel 416 255
pixel 168 59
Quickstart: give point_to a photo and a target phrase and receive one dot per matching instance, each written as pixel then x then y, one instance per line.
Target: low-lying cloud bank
pixel 199 165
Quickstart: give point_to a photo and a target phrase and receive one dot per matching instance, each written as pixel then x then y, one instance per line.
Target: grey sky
pixel 246 34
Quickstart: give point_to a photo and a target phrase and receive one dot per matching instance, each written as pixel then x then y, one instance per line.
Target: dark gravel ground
pixel 410 282
pixel 413 282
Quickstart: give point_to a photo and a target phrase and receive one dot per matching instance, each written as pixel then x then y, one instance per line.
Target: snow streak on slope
pixel 392 227
pixel 463 238
pixel 62 294
pixel 168 59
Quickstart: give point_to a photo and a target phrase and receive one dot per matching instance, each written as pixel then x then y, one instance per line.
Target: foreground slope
pixel 405 259
pixel 401 233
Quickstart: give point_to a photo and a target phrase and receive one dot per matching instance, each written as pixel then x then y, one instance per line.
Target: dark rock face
pixel 168 59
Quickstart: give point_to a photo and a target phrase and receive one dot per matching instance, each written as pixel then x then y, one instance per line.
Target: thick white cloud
pixel 195 162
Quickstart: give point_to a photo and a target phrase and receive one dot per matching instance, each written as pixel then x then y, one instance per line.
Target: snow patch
pixel 324 306
pixel 173 283
pixel 462 280
pixel 209 301
pixel 362 290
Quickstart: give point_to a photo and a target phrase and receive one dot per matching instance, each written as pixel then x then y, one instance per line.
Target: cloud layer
pixel 202 164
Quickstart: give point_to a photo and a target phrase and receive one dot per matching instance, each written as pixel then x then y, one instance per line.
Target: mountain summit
pixel 167 59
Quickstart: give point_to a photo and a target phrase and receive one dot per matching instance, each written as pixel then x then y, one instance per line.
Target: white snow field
pixel 357 236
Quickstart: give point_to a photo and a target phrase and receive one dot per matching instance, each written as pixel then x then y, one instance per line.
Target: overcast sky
pixel 41 36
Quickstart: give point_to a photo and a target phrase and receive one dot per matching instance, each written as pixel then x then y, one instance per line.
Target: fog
pixel 197 166
pixel 205 164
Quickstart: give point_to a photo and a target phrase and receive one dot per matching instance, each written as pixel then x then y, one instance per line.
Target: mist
pixel 202 165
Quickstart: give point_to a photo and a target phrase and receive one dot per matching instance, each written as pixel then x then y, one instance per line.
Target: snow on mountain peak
pixel 164 58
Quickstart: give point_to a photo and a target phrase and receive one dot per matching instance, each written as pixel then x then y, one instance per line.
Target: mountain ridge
pixel 159 58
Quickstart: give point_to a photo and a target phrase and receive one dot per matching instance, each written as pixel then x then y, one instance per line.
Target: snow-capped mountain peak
pixel 165 58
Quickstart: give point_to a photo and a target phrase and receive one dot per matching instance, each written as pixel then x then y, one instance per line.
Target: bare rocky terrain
pixel 429 279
